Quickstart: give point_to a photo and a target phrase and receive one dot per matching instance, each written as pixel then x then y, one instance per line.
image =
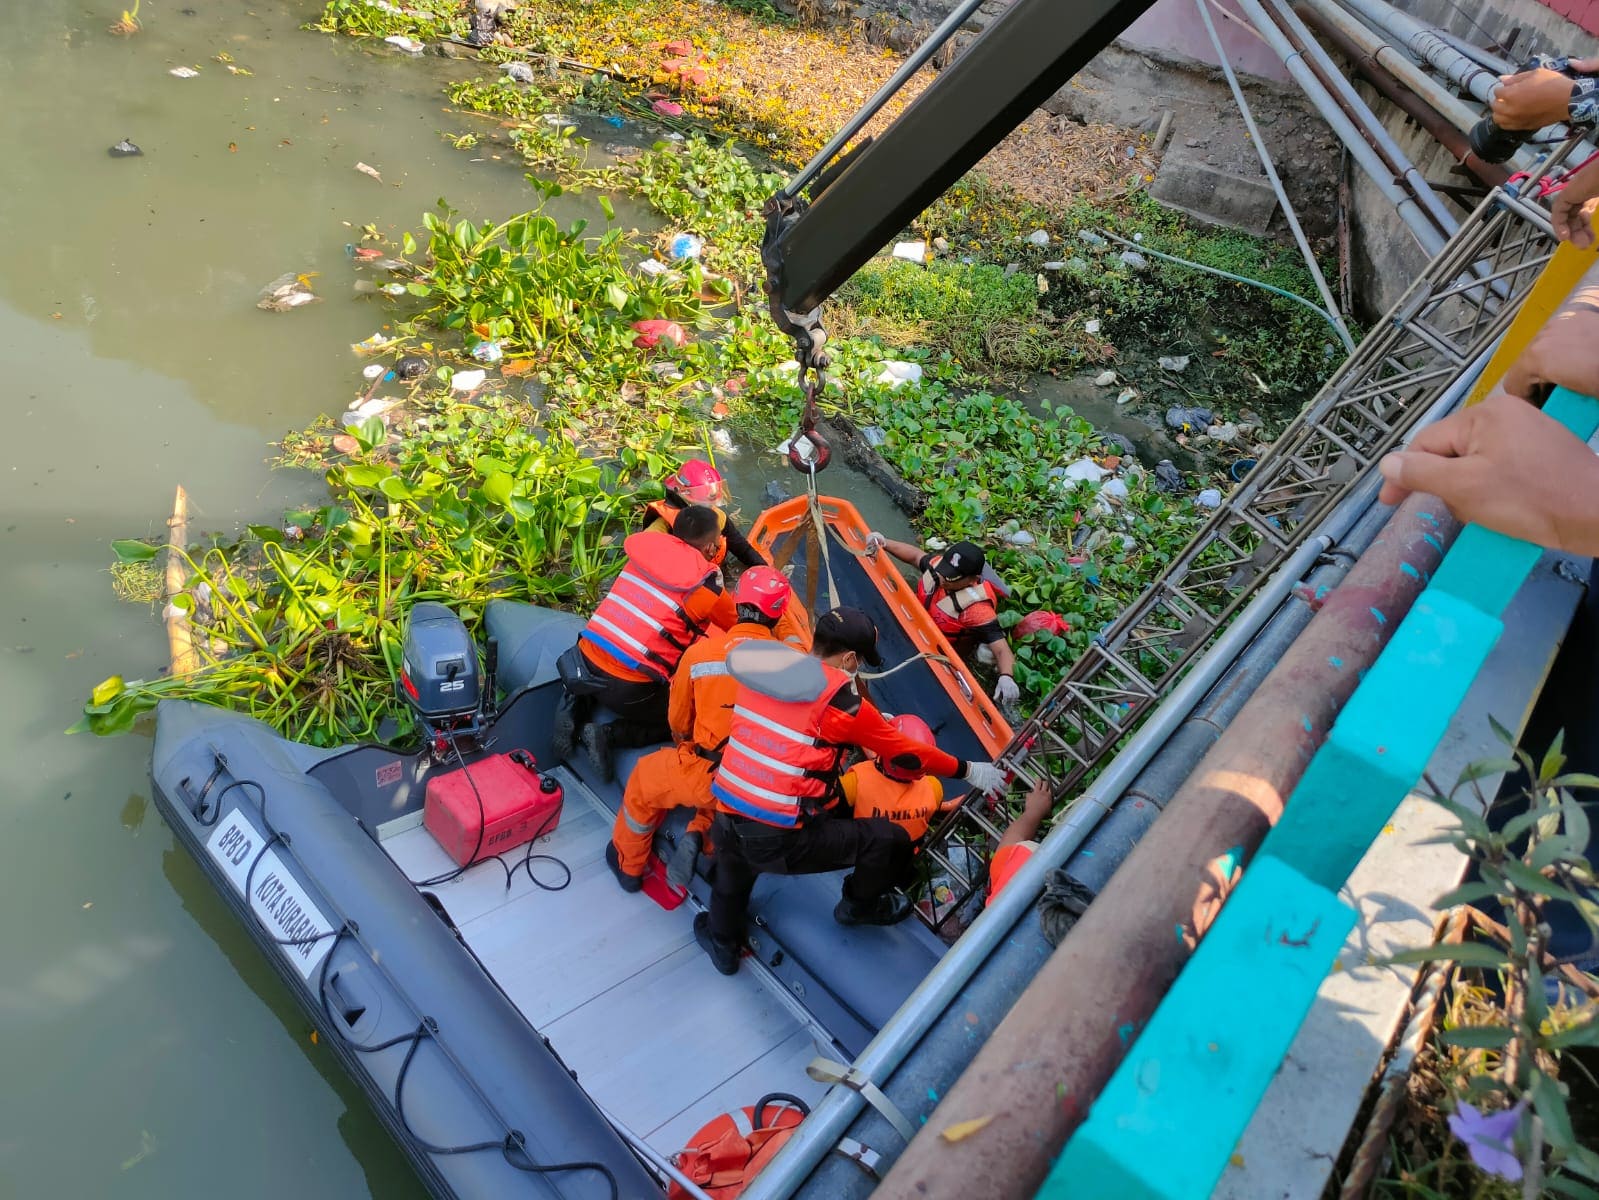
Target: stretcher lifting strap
pixel 825 1070
pixel 862 1155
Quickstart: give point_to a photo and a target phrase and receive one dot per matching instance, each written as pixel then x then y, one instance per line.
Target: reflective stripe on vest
pixel 641 622
pixel 945 608
pixel 776 768
pixel 909 805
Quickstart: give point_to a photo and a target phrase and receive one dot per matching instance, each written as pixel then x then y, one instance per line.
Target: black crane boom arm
pixel 1031 50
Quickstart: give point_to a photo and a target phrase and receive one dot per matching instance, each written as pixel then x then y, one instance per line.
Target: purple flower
pixel 1489 1138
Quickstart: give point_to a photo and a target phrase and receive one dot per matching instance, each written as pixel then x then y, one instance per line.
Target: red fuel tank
pixel 503 795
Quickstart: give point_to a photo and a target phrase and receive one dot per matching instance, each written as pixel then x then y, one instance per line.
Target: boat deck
pixel 617 984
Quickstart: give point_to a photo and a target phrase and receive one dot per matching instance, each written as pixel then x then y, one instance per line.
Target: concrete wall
pixel 1172 29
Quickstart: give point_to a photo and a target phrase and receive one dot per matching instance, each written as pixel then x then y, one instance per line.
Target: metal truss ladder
pixel 1459 306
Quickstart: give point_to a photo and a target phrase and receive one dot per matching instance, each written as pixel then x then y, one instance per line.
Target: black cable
pixel 482 822
pixel 514 1140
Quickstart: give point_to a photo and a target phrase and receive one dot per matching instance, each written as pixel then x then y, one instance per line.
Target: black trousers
pixel 639 709
pixel 879 850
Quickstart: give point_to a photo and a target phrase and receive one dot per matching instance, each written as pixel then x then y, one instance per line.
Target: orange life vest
pixel 730 1151
pixel 665 511
pixel 641 622
pixel 1006 862
pixel 910 805
pixel 776 767
pixel 946 607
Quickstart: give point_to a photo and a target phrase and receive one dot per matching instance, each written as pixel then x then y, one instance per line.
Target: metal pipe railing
pixel 1370 124
pixel 1409 209
pixel 1329 305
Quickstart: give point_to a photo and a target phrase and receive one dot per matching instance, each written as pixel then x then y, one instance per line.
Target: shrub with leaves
pixel 1499 1061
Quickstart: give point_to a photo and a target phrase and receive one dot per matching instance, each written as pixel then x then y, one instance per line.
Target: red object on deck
pixel 503 795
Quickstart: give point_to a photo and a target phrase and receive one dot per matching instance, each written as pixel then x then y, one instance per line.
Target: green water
pixel 145 1048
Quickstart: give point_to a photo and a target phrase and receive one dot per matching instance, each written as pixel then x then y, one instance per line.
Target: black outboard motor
pixel 439 678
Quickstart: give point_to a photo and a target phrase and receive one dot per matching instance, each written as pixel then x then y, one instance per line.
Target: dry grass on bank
pixel 788 89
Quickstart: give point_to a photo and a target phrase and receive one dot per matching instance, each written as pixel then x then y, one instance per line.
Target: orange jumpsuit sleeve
pixel 866 727
pixel 680 700
pixel 713 607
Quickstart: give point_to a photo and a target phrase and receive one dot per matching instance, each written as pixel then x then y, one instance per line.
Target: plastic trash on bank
pixel 684 246
pixel 286 292
pixel 915 252
pixel 896 374
pixel 409 44
pixel 371 345
pixel 653 332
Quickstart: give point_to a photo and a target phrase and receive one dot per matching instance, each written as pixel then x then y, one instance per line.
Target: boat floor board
pixel 618 985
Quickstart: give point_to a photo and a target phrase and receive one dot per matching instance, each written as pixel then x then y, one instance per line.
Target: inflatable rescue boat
pixel 522 1026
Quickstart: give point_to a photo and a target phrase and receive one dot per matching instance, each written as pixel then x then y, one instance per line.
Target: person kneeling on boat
pixel 795 717
pixel 700 712
pixel 963 604
pixel 667 597
pixel 907 796
pixel 697 482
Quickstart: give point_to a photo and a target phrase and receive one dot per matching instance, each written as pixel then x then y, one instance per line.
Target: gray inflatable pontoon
pixel 526 1028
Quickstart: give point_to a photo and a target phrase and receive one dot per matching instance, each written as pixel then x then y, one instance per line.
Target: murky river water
pixel 145 1047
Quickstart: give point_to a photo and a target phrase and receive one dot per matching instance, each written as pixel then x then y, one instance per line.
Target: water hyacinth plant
pixel 300 625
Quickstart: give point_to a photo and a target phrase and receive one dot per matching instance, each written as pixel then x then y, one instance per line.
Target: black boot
pixel 888 909
pixel 681 869
pixel 563 736
pixel 630 883
pixel 597 741
pixel 724 955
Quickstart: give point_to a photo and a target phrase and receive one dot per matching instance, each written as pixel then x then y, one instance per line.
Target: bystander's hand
pixel 1505 465
pixel 1531 99
pixel 1566 351
pixel 1574 205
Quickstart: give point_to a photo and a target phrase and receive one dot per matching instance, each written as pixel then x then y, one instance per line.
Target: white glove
pixel 874 542
pixel 984 776
pixel 1006 691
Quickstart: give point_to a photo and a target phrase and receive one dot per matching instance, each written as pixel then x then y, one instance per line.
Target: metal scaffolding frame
pixel 1449 316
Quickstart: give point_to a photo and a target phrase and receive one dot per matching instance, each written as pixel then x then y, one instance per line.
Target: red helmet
pixel 766 588
pixel 916 729
pixel 697 482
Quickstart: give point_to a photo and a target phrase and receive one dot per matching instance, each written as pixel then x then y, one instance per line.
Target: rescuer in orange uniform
pixel 697 482
pixel 962 603
pixel 1016 844
pixel 667 597
pixel 910 798
pixel 795 716
pixel 700 712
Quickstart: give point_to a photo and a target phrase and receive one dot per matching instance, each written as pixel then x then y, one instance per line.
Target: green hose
pixel 1183 262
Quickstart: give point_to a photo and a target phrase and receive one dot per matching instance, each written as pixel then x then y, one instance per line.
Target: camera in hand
pixel 1492 144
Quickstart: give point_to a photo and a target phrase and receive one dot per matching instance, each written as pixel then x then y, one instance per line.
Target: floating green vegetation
pixel 299 625
pixel 508 497
pixel 992 473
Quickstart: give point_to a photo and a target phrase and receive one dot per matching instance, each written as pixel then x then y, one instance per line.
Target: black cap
pixel 960 561
pixel 853 630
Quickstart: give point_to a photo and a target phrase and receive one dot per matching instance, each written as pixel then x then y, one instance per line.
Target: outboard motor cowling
pixel 439 674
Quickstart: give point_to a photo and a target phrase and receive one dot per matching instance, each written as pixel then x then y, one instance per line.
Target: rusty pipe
pixel 1403 98
pixel 1046 1062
